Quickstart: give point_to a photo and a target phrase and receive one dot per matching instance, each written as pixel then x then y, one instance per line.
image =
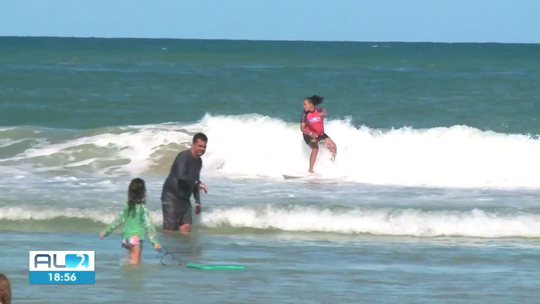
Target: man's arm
pixel 322 111
pixel 197 193
pixel 197 196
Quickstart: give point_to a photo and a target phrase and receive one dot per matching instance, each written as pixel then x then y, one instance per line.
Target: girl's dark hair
pixel 315 99
pixel 136 194
pixel 5 290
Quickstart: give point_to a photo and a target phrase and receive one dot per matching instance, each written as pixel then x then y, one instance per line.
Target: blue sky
pixel 319 20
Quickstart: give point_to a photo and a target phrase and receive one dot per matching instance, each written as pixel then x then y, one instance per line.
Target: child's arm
pixel 149 227
pixel 117 222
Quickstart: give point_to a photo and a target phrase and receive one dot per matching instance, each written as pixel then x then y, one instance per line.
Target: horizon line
pixel 269 40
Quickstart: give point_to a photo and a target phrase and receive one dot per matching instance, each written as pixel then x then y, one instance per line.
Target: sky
pixel 506 21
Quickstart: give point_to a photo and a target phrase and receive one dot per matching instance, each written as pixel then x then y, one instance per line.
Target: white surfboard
pixel 311 178
pixel 287 176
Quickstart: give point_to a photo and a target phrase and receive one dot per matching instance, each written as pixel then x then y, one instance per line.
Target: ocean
pixel 433 197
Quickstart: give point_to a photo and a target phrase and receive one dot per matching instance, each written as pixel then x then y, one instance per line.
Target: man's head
pixel 198 145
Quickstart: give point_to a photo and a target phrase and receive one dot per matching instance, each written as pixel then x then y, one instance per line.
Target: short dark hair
pixel 200 136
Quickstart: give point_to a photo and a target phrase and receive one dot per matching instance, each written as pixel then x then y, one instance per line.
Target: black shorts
pixel 175 214
pixel 308 138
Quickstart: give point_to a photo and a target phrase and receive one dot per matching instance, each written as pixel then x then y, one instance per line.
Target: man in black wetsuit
pixel 183 180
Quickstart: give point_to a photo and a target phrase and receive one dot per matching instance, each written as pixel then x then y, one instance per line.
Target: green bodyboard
pixel 211 267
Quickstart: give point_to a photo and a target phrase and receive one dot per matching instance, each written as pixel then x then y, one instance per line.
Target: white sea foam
pixel 381 221
pixel 260 146
pixel 375 221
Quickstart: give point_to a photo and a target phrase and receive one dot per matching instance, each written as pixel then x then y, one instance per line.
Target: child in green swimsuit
pixel 136 219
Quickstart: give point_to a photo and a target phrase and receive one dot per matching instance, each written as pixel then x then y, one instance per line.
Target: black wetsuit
pixel 182 182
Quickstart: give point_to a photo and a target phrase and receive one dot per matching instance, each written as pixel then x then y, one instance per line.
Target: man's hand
pixel 203 187
pixel 197 209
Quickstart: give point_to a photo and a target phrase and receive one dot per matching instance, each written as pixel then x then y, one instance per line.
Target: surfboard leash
pixel 167 258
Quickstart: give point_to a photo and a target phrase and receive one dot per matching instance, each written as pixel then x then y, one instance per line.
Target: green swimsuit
pixel 134 224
